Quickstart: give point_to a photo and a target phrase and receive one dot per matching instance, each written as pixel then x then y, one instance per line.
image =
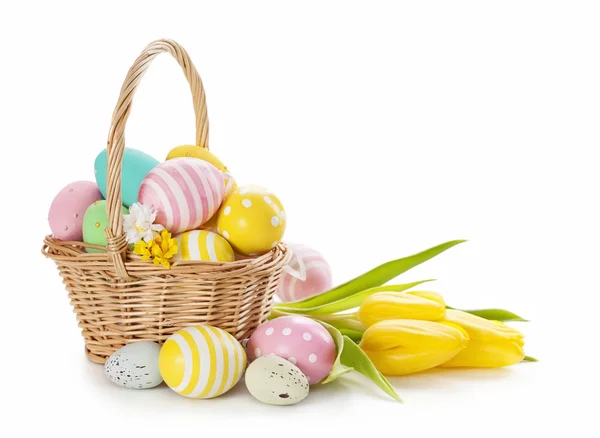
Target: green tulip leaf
pixel 495 314
pixel 355 335
pixel 529 359
pixel 346 324
pixel 349 302
pixel 338 369
pixel 353 356
pixel 375 277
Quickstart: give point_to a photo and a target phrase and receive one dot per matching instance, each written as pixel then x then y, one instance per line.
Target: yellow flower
pixel 493 343
pixel 161 249
pixel 404 346
pixel 423 305
pixel 142 248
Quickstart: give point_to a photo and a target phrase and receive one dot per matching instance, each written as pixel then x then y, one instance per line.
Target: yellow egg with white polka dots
pixel 254 188
pixel 203 245
pixel 201 362
pixel 252 220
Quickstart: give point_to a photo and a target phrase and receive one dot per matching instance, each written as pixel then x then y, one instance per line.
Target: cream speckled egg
pixel 135 366
pixel 203 245
pixel 252 220
pixel 201 362
pixel 276 381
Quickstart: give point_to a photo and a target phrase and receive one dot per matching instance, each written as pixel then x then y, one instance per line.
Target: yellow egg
pixel 254 188
pixel 196 152
pixel 201 362
pixel 252 220
pixel 203 245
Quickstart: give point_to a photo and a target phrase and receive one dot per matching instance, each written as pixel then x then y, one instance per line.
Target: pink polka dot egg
pixel 302 341
pixel 307 274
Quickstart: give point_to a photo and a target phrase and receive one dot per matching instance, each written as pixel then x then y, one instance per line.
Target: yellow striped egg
pixel 203 245
pixel 201 362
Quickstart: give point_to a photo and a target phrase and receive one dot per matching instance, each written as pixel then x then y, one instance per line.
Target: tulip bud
pixel 398 347
pixel 493 343
pixel 428 306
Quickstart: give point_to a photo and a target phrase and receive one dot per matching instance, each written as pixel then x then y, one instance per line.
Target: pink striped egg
pixel 307 274
pixel 185 192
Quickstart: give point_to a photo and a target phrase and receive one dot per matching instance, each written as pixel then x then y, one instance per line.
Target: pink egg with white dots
pixel 307 274
pixel 302 341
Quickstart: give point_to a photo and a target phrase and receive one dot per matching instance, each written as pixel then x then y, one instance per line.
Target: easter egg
pixel 300 340
pixel 192 151
pixel 201 362
pixel 230 187
pixel 276 381
pixel 135 166
pixel 211 224
pixel 135 366
pixel 253 221
pixel 203 245
pixel 68 207
pixel 230 184
pixel 95 220
pixel 260 190
pixel 307 274
pixel 185 192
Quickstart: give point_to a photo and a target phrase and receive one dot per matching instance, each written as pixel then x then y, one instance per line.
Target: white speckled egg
pixel 276 381
pixel 135 366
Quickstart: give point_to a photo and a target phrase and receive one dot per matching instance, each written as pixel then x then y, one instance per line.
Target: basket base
pixel 94 358
pixel 112 312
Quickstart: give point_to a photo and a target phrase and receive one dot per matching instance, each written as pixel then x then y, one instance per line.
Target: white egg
pixel 276 381
pixel 135 366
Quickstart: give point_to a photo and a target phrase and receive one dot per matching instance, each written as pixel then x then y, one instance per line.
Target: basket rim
pixel 73 252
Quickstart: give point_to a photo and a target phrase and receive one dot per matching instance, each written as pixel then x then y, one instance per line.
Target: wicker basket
pixel 118 298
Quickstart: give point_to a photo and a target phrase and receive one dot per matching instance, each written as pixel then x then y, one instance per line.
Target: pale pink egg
pixel 185 192
pixel 307 274
pixel 68 207
pixel 302 341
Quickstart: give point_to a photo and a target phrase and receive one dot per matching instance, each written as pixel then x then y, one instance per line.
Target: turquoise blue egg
pixel 136 165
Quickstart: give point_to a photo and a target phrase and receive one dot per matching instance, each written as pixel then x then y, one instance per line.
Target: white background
pixel 385 128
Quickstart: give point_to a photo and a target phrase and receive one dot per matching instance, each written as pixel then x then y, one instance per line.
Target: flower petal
pixel 482 329
pixel 486 354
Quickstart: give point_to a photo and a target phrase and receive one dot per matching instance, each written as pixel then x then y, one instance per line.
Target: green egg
pixel 95 220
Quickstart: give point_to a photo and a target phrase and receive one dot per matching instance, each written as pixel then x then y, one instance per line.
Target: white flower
pixel 139 223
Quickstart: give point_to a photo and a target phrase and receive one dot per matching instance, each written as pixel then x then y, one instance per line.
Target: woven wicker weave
pixel 118 298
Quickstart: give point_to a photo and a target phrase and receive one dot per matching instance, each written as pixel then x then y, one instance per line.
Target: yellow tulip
pixel 493 344
pixel 428 306
pixel 403 346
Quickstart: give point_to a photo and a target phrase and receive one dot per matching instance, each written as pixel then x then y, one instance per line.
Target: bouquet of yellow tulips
pixel 392 330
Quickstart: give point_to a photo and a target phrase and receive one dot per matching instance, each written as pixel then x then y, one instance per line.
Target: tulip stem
pixel 338 317
pixel 494 314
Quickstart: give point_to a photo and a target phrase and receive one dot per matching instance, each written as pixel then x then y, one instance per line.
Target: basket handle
pixel 116 243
